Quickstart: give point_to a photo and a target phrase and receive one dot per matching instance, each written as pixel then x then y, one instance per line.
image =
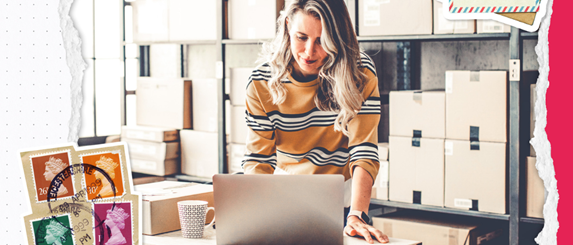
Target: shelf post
pixel 514 154
pixel 220 76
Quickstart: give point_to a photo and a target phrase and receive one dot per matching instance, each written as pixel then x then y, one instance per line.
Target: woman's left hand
pixel 355 227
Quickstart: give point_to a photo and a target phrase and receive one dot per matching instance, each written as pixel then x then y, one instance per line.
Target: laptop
pixel 279 209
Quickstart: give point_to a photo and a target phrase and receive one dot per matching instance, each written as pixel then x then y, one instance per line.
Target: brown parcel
pixel 417 173
pixel 155 134
pixel 156 167
pixel 433 229
pixel 164 102
pixel 417 110
pixel 376 18
pixel 250 19
pixel 199 153
pixel 475 176
pixel 445 26
pixel 536 193
pixel 159 207
pixel 205 105
pixel 184 12
pixel 476 100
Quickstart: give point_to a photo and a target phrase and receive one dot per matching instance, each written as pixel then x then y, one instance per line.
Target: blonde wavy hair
pixel 340 80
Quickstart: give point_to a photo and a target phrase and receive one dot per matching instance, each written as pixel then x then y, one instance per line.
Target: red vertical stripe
pixel 526 9
pixel 559 116
pixel 482 9
pixel 493 9
pixel 460 10
pixel 516 8
pixel 472 9
pixel 504 9
pixel 451 5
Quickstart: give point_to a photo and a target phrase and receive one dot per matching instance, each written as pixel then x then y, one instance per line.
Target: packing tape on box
pixel 474 76
pixel 449 148
pixel 453 236
pixel 474 138
pixel 416 197
pixel 449 82
pixel 416 137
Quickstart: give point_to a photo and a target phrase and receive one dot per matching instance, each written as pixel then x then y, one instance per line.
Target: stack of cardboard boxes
pixel 239 80
pixel 448 149
pixel 417 132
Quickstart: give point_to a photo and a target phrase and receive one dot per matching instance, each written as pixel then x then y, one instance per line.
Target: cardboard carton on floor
pixel 492 26
pixel 383 151
pixel 432 229
pixel 377 18
pixel 476 105
pixel 421 112
pixel 251 19
pixel 159 204
pixel 417 170
pixel 475 176
pixel 164 102
pixel 536 193
pixel 155 134
pixel 205 105
pixel 445 26
pixel 199 153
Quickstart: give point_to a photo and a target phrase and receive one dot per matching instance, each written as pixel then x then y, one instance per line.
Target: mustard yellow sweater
pixel 297 137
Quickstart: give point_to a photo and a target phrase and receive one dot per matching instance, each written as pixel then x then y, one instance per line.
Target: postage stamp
pixel 109 162
pixel 53 230
pixel 45 168
pixel 118 223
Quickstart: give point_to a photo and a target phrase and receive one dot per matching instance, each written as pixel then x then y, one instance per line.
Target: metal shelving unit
pixel 515 39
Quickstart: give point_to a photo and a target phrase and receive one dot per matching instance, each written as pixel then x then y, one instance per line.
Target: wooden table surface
pixel 209 238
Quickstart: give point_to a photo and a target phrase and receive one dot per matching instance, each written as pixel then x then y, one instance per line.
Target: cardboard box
pixel 436 229
pixel 445 26
pixel 252 19
pixel 536 193
pixel 155 134
pixel 165 60
pixel 159 207
pixel 492 26
pixel 417 170
pixel 476 103
pixel 380 188
pixel 152 150
pixel 199 153
pixel 239 82
pixel 147 180
pixel 377 18
pixel 239 128
pixel 192 20
pixel 158 167
pixel 164 102
pixel 237 154
pixel 205 105
pixel 150 21
pixel 533 99
pixel 418 113
pixel 383 151
pixel 475 179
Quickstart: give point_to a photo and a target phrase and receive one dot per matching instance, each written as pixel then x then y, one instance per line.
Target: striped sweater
pixel 297 137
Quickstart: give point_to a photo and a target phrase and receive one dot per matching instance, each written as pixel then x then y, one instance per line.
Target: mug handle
pixel 206 212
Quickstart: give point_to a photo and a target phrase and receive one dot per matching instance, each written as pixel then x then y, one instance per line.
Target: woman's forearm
pixel 361 189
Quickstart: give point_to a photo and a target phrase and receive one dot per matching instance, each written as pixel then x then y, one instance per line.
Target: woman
pixel 313 107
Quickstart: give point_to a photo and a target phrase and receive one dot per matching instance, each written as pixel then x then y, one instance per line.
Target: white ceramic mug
pixel 192 216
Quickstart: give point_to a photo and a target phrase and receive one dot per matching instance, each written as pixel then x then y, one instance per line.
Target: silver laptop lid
pixel 279 209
